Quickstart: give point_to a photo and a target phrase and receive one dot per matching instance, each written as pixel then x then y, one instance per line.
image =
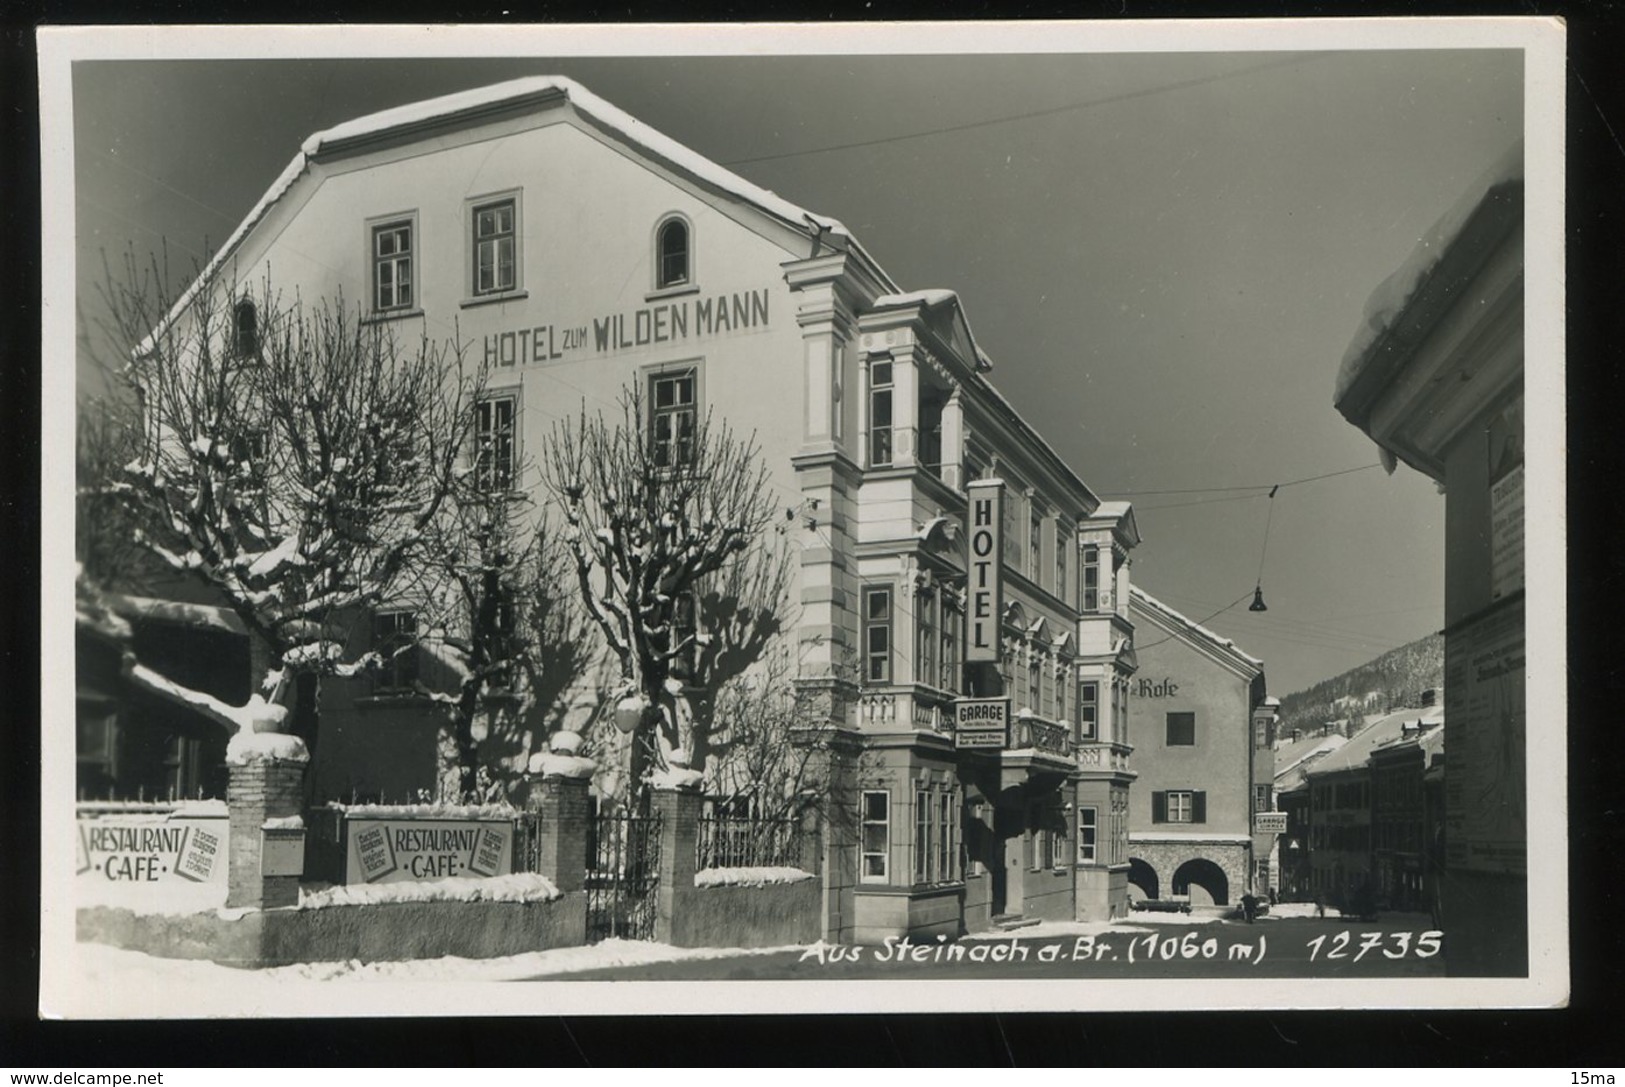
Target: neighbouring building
pixel 1405 830
pixel 1436 378
pixel 1202 733
pixel 1293 756
pixel 155 682
pixel 964 631
pixel 1343 815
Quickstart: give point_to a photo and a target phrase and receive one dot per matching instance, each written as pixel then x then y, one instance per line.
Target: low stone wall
pixel 772 915
pixel 383 932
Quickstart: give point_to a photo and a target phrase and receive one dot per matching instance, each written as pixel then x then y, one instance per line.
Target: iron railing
pixel 729 841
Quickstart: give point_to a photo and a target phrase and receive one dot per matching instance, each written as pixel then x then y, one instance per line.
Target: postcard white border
pixel 1543 44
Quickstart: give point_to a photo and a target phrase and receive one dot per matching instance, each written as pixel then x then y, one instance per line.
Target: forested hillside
pixel 1391 681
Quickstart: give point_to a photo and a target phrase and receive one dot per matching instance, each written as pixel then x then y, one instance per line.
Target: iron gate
pixel 623 875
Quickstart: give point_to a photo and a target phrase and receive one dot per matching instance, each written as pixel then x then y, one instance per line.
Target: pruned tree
pixel 290 456
pixel 653 508
pixel 503 618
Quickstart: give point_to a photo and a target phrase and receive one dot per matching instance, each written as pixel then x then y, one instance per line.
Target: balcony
pixel 1102 756
pixel 1040 735
pixel 911 706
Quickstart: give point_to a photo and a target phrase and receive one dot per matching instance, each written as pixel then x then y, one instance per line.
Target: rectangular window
pixel 1060 560
pixel 875 830
pixel 877 635
pixel 1086 835
pixel 495 253
pixel 925 637
pixel 394 640
pixel 948 836
pixel 952 622
pixel 1091 579
pixel 1088 709
pixel 1035 685
pixel 392 266
pixel 672 418
pixel 923 817
pixel 1181 730
pixel 1261 798
pixel 1120 712
pixel 494 444
pixel 1035 543
pixel 880 415
pixel 1179 806
pixel 1061 685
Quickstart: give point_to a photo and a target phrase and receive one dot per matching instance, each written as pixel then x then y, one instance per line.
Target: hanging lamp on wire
pixel 1258 587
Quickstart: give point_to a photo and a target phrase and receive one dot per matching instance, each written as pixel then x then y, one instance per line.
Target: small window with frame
pixel 875 831
pixel 673 253
pixel 393 246
pixel 494 246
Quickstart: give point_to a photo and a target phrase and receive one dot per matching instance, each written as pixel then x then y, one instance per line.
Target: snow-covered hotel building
pixel 579 251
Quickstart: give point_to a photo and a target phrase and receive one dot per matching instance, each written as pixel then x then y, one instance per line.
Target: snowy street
pixel 1293 943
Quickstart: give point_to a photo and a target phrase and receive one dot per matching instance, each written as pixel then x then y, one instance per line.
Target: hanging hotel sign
pixel 398 850
pixel 669 322
pixel 985 583
pixel 981 722
pixel 1269 822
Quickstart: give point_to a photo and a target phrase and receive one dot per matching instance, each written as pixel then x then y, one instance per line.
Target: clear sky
pixel 1164 254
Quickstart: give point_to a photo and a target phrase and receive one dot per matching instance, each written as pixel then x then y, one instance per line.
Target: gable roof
pixel 530 93
pixel 1191 631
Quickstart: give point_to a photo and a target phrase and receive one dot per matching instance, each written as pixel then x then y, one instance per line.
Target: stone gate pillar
pixel 265 786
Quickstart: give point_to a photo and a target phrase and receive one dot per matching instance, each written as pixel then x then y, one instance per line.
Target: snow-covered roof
pixel 182 614
pixel 1394 294
pixel 546 92
pixel 1140 596
pixel 1113 509
pixel 1384 730
pixel 469 106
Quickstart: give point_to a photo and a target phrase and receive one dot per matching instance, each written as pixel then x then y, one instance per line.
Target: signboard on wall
pixel 402 850
pixel 1506 501
pixel 981 722
pixel 150 858
pixel 1486 798
pixel 1269 822
pixel 985 581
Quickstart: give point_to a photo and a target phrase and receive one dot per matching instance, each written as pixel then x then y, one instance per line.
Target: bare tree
pixel 292 457
pixel 504 621
pixel 651 514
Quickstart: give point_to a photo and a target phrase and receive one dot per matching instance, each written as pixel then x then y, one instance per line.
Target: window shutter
pixel 1159 807
pixel 1199 807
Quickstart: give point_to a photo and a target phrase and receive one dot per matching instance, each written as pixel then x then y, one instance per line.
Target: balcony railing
pixel 908 705
pixel 1102 756
pixel 1040 735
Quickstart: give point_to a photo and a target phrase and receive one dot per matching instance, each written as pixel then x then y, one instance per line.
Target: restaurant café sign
pixel 154 856
pixel 401 850
pixel 985 583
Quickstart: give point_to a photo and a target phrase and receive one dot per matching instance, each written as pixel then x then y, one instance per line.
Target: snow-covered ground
pixel 103 969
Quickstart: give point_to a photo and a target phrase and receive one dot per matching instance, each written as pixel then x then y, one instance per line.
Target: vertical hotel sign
pixel 985 581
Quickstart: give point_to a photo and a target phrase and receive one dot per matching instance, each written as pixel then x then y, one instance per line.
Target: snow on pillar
pixel 264 797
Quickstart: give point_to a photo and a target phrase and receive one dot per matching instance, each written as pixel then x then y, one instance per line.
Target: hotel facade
pixel 963 614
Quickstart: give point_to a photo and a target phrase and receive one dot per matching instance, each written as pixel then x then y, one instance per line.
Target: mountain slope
pixel 1395 679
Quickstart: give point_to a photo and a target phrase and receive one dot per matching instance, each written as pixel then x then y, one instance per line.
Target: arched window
pixel 671 254
pixel 245 330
